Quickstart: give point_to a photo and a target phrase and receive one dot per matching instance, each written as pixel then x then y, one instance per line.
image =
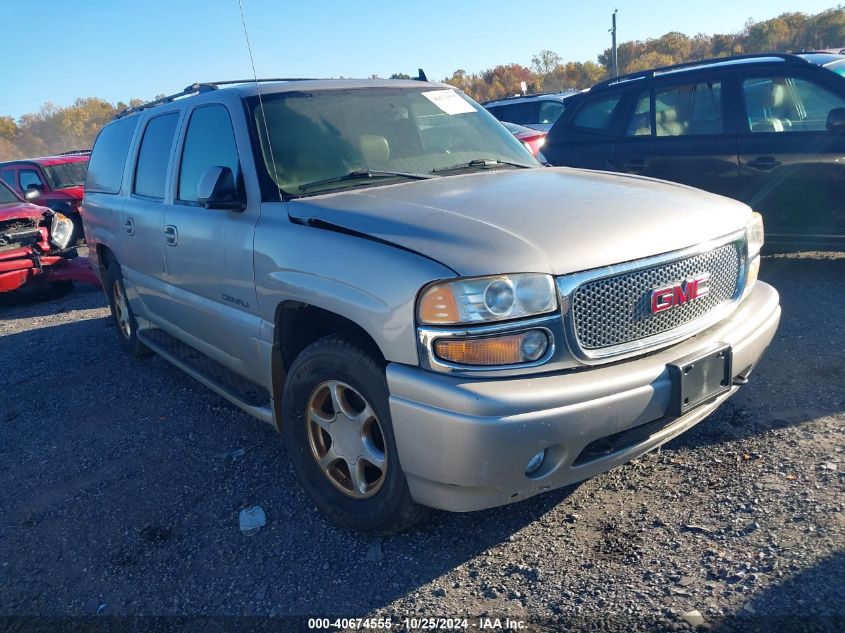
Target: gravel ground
pixel 121 481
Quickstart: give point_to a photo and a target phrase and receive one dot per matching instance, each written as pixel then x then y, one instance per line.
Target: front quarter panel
pixel 368 282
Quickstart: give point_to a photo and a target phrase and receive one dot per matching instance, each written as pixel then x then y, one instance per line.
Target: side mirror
pixel 217 190
pixel 32 193
pixel 836 120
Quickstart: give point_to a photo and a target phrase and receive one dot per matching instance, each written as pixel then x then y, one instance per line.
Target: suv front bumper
pixel 464 443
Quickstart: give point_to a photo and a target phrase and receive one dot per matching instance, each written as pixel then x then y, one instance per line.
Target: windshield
pixel 6 194
pixel 412 132
pixel 66 174
pixel 837 67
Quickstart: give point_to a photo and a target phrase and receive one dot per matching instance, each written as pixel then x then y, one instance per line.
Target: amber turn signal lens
pixel 510 349
pixel 438 305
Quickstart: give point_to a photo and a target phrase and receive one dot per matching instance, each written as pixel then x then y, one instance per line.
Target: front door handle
pixel 637 164
pixel 171 235
pixel 129 226
pixel 633 165
pixel 764 163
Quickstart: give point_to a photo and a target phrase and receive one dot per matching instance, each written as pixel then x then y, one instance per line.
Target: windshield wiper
pixel 363 174
pixel 479 163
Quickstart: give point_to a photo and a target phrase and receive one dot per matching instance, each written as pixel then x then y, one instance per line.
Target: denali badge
pixel 679 293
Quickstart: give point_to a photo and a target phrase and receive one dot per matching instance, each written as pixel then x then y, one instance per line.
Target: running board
pixel 241 392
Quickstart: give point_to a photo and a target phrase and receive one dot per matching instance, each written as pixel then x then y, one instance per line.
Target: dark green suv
pixel 768 130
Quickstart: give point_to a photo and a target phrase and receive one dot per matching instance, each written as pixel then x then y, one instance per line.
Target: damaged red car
pixel 34 245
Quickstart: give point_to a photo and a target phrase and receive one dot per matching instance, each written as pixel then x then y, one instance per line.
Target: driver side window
pixel 788 104
pixel 30 178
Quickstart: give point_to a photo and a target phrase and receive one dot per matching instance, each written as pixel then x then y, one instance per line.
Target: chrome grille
pixel 616 310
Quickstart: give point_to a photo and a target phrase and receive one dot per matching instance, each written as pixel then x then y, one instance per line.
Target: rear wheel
pixel 122 315
pixel 339 436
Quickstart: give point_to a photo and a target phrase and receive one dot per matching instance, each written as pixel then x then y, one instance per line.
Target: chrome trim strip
pixel 568 284
pixel 551 324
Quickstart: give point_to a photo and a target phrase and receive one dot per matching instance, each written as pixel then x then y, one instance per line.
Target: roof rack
pixel 199 88
pixel 649 74
pixel 74 152
pixel 533 94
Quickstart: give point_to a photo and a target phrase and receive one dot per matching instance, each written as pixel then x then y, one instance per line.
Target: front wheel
pixel 339 436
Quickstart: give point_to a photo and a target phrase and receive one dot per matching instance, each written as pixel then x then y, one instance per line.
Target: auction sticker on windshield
pixel 449 101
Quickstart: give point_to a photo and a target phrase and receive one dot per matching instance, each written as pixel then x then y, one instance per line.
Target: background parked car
pixel 532 139
pixel 34 244
pixel 53 181
pixel 768 130
pixel 538 112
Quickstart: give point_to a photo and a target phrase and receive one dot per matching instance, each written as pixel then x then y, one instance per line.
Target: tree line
pixel 56 129
pixel 549 72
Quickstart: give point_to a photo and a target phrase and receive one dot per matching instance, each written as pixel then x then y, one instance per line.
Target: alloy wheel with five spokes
pixel 346 439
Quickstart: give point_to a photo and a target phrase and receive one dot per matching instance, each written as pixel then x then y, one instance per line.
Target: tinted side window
pixel 209 142
pixel 596 115
pixel 788 104
pixel 521 113
pixel 30 178
pixel 8 176
pixel 151 170
pixel 640 122
pixel 6 195
pixel 550 111
pixel 496 111
pixel 689 109
pixel 105 170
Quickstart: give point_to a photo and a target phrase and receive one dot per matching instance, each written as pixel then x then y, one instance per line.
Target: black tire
pixel 78 237
pixel 334 358
pixel 112 280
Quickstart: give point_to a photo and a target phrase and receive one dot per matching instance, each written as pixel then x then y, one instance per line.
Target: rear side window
pixel 596 115
pixel 151 169
pixel 550 111
pixel 108 158
pixel 496 111
pixel 640 122
pixel 689 109
pixel 522 113
pixel 209 142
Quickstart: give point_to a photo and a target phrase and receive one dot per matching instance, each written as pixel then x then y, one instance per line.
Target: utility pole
pixel 614 62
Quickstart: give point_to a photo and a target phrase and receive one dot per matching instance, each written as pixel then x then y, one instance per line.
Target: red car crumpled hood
pixel 18 210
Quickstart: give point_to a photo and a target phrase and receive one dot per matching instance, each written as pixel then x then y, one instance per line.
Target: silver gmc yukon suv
pixel 430 317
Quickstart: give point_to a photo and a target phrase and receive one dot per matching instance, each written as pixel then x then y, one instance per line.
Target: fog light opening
pixel 534 345
pixel 535 462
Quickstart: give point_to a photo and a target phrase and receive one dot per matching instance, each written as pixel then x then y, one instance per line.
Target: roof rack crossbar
pixel 199 88
pixel 649 74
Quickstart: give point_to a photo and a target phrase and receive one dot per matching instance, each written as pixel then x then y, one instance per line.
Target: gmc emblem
pixel 679 293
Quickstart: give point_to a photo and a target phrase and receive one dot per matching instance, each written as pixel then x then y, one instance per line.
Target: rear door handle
pixel 171 235
pixel 129 226
pixel 763 162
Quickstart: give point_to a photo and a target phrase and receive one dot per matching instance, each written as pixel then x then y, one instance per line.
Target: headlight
pixel 754 234
pixel 61 230
pixel 484 299
pixel 754 239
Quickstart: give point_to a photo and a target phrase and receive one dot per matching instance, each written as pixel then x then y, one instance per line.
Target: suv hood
pixel 21 210
pixel 550 220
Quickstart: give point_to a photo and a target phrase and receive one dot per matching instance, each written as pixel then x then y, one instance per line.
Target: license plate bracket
pixel 699 378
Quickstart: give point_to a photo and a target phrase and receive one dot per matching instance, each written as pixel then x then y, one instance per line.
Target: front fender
pixel 371 283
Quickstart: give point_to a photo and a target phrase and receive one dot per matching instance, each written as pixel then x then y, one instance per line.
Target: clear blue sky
pixel 57 50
